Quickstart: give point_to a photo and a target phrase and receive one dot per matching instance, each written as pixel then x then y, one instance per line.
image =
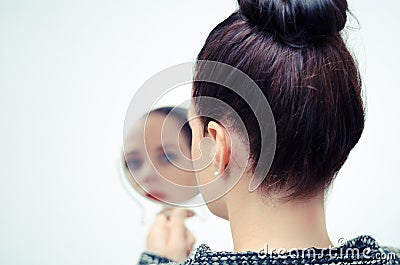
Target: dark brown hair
pixel 293 50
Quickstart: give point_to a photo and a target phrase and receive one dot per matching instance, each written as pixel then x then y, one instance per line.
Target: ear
pixel 221 138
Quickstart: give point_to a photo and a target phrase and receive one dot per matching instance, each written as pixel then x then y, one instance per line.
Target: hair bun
pixel 297 21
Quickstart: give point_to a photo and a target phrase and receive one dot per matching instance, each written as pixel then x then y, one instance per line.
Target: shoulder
pixel 201 253
pixel 363 249
pixel 390 254
pixel 149 258
pixel 374 251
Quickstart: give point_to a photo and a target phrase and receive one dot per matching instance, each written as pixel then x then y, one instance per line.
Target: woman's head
pixel 294 51
pixel 157 153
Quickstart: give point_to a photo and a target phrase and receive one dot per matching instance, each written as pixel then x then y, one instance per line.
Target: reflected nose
pixel 147 174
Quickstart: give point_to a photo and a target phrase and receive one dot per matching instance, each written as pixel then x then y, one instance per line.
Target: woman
pixel 293 50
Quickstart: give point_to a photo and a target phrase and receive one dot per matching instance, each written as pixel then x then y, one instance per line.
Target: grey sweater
pixel 360 250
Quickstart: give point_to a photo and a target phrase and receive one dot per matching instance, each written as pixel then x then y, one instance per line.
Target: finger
pixel 190 239
pixel 160 219
pixel 160 223
pixel 158 232
pixel 166 211
pixel 190 213
pixel 177 225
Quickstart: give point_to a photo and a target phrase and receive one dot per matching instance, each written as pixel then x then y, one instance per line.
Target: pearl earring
pixel 216 173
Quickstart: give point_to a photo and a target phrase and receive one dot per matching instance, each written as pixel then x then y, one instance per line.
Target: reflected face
pixel 159 157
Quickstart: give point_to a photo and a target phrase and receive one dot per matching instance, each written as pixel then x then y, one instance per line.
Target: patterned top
pixel 360 250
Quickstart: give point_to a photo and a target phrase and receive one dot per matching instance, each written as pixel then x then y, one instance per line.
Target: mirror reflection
pixel 157 156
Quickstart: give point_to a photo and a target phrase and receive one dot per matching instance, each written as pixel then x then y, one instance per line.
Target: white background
pixel 68 70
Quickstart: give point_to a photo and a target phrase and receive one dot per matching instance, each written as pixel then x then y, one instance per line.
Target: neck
pixel 258 223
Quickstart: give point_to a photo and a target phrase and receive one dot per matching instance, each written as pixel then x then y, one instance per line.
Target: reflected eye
pixel 133 163
pixel 169 158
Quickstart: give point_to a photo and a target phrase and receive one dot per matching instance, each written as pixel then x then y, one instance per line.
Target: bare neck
pixel 266 224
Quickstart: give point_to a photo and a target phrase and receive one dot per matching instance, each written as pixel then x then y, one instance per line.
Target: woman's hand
pixel 169 237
